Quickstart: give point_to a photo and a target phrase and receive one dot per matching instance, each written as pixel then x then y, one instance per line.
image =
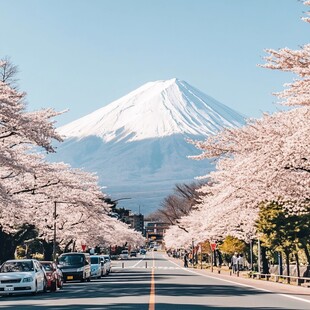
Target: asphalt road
pixel 157 282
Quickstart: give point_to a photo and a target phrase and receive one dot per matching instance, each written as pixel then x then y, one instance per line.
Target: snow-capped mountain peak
pixel 154 110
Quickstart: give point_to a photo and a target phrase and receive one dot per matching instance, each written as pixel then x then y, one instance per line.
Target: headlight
pixel 80 269
pixel 28 279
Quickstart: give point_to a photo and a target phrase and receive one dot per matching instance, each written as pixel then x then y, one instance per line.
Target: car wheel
pixel 36 289
pixel 44 286
pixel 53 286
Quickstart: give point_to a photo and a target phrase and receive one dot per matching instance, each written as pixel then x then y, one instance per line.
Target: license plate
pixel 9 288
pixel 70 277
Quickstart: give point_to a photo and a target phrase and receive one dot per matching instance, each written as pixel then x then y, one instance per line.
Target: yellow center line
pixel 152 291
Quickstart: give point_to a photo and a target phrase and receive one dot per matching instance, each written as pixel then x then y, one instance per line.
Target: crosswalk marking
pixel 151 267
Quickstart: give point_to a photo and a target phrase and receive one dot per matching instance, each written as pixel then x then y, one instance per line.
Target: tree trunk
pixel 287 258
pixel 9 242
pixel 280 263
pixel 264 260
pixel 219 255
pixel 47 250
pixel 297 265
pixel 66 249
pixel 305 248
pixel 8 246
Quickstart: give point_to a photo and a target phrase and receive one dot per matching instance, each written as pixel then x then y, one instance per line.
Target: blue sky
pixel 81 55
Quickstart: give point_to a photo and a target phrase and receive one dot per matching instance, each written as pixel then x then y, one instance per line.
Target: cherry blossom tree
pixel 31 189
pixel 267 160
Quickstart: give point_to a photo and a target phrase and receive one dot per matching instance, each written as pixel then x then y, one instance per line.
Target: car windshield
pixel 71 260
pixel 94 260
pixel 17 266
pixel 47 266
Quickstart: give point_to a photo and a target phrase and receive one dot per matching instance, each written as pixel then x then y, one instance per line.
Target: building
pixel 135 221
pixel 154 231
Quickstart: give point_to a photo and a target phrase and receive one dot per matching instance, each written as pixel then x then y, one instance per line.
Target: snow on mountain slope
pixel 137 145
pixel 156 109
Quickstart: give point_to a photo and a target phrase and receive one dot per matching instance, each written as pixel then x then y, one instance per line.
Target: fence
pixel 300 281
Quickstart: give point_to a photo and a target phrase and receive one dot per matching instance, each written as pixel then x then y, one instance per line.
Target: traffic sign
pixel 213 246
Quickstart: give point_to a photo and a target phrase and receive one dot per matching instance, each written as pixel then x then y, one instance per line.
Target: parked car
pixel 124 254
pixel 107 262
pixel 54 275
pixel 22 276
pixel 98 269
pixel 142 251
pixel 75 266
pixel 133 254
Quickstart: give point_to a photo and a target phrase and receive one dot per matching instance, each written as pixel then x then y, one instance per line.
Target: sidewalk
pixel 279 288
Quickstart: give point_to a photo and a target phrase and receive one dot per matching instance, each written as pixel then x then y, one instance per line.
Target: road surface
pixel 157 282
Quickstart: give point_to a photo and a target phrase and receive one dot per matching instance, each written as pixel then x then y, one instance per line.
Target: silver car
pixel 107 262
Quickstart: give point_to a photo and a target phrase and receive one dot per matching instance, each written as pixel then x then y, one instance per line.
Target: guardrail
pixel 300 281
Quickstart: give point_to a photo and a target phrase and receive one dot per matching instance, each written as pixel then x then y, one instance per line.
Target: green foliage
pixel 282 231
pixel 231 245
pixel 20 252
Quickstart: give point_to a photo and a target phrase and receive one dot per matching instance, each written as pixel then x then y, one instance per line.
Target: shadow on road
pixel 126 283
pixel 159 306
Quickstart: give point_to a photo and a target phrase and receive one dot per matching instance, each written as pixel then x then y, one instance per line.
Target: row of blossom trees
pixel 266 161
pixel 31 188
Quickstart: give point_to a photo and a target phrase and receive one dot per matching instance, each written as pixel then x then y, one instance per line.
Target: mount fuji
pixel 137 144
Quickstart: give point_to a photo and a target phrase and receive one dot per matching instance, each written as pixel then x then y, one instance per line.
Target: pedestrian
pixel 240 262
pixel 185 260
pixel 234 262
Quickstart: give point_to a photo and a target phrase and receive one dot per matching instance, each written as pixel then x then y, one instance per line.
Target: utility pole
pixel 259 255
pixel 193 252
pixel 55 227
pixel 251 254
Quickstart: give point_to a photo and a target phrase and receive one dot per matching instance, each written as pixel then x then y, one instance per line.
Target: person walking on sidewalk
pixel 240 262
pixel 234 263
pixel 185 260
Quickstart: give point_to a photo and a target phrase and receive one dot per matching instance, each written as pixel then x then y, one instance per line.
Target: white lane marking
pixel 138 262
pixel 242 284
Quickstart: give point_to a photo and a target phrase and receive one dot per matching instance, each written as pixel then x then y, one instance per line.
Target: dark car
pixel 133 254
pixel 75 266
pixel 53 274
pixel 142 251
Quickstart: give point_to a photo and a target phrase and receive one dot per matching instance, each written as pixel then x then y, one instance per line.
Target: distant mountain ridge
pixel 137 145
pixel 156 109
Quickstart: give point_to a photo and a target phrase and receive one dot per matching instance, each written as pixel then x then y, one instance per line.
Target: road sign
pixel 213 246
